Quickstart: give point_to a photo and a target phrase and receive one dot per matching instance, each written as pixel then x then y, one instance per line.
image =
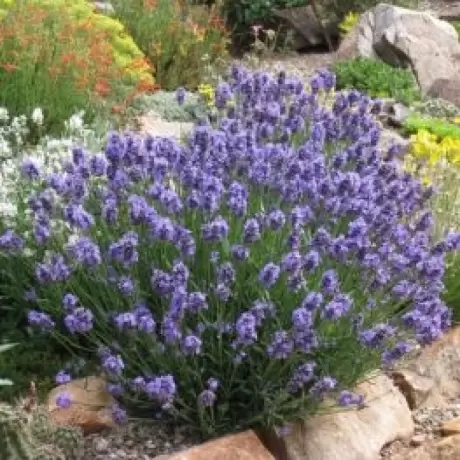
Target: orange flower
pixel 102 88
pixel 150 4
pixel 119 108
pixel 67 58
pixel 9 67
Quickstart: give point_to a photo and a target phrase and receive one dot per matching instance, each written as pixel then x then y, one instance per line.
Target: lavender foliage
pixel 275 257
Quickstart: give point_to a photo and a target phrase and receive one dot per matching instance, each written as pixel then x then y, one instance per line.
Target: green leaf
pixel 7 346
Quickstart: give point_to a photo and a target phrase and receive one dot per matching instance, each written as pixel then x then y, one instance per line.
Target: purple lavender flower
pixel 269 275
pixel 196 301
pixel 63 400
pixel 126 321
pixel 31 169
pixel 163 389
pixel 329 282
pixel 126 285
pixel 70 302
pixel 301 376
pixel 41 320
pixel 207 398
pixel 191 345
pixel 281 345
pixel 10 243
pixel 115 389
pixel 216 230
pixel 339 306
pixel 180 96
pixel 251 231
pixel 276 220
pixel 63 377
pixel 113 364
pixel 245 328
pixel 80 320
pixel 323 385
pixel 347 399
pixel 119 414
pixel 240 252
pixel 213 384
pixel 85 252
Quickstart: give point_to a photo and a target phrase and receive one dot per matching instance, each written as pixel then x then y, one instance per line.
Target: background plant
pixel 242 15
pixel 174 37
pixel 238 280
pixel 348 23
pixel 164 104
pixel 377 79
pixel 60 58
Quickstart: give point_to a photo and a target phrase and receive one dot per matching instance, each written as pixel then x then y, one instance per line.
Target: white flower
pixel 37 116
pixel 4 116
pixel 76 122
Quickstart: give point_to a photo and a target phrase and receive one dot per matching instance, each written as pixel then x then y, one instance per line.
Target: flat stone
pixel 90 407
pixel 353 434
pixel 242 446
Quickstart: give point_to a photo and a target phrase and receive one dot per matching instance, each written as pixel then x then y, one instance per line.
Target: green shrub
pixel 242 15
pixel 62 58
pixel 178 41
pixel 377 79
pixel 437 126
pixel 242 279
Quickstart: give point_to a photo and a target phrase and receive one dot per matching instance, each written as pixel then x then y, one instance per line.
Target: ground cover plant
pixel 377 79
pixel 238 280
pixel 439 127
pixel 178 41
pixel 63 58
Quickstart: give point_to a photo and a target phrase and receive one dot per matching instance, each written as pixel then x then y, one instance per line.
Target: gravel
pixel 137 440
pixel 427 422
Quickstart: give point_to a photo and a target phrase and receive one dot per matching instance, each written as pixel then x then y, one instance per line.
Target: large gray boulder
pixel 406 38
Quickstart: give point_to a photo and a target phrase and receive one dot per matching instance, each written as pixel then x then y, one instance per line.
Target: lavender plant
pixel 245 277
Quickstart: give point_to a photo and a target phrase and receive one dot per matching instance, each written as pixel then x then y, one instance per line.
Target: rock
pixel 451 427
pixel 447 89
pixel 359 41
pixel 242 446
pixel 155 126
pixel 397 114
pixel 303 22
pixel 444 449
pixel 408 39
pixel 414 387
pixel 356 434
pixel 90 408
pixel 432 378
